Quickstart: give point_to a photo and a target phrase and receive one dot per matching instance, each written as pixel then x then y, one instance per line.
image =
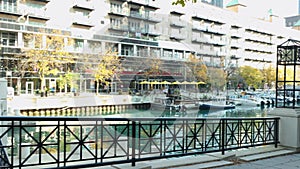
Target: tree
pixel 252 76
pixel 68 80
pixel 198 68
pixel 108 67
pixel 153 67
pixel 269 75
pixel 217 77
pixel 47 54
pixel 182 2
pixel 21 68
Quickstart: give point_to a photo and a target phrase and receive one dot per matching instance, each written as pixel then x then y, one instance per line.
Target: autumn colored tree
pixel 108 67
pixel 217 77
pixel 269 75
pixel 152 66
pixel 68 80
pixel 252 76
pixel 197 68
pixel 46 53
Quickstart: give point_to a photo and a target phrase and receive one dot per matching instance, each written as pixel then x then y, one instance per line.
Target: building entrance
pixel 29 88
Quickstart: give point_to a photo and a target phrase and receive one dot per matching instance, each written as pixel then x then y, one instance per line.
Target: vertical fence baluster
pixel 58 143
pixel 161 138
pixel 133 142
pixel 276 131
pixel 12 143
pixel 20 144
pixel 65 143
pixel 223 135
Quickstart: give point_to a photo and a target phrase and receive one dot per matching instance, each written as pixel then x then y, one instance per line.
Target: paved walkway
pixel 265 157
pixel 291 161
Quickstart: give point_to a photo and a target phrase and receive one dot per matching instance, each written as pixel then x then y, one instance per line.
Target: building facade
pixel 140 31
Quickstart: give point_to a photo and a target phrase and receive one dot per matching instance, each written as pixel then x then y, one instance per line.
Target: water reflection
pixel 238 112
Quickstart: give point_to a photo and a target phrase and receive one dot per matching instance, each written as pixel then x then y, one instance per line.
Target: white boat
pixel 247 102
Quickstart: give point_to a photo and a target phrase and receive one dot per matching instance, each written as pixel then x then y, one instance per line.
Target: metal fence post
pixel 223 135
pixel 276 131
pixel 133 142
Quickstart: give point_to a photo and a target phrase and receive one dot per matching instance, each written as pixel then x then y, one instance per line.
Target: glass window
pixel 78 44
pixel 9 39
pixel 127 50
pixel 142 51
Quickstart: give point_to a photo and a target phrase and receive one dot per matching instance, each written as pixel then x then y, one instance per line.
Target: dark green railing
pixel 67 142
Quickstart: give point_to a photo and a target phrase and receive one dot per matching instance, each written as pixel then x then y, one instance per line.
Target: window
pixel 167 53
pixel 117 8
pixel 8 39
pixel 78 44
pixel 127 50
pixel 9 5
pixel 155 52
pixel 142 51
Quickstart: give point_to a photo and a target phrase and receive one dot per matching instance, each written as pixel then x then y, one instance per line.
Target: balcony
pixel 208 52
pixel 37 14
pixel 122 28
pixel 82 25
pixel 44 1
pixel 153 17
pixel 177 23
pixel 218 42
pixel 83 5
pixel 153 32
pixel 11 11
pixel 81 21
pixel 147 4
pixel 206 19
pixel 197 39
pixel 137 15
pixel 236 34
pixel 199 28
pixel 217 31
pixel 177 36
pixel 235 44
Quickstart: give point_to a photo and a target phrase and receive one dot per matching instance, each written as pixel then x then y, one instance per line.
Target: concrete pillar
pixel 119 49
pixel 3 97
pixel 44 41
pixel 289 126
pixel 20 40
pixel 134 50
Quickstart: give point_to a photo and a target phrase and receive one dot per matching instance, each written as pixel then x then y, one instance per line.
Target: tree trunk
pixel 43 83
pixel 18 86
pixel 97 87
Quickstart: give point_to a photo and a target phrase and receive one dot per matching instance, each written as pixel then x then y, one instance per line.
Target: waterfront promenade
pixel 262 157
pixel 265 157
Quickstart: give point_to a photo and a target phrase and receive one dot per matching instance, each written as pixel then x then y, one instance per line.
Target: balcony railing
pixel 72 142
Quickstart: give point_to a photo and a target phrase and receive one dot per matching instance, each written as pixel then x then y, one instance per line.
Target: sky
pixel 282 8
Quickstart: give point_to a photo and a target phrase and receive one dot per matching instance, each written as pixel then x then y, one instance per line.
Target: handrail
pixel 68 142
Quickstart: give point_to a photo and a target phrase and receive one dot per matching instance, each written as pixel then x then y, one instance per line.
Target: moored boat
pixel 205 106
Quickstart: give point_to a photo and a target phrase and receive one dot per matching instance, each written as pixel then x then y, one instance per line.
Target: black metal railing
pixel 67 142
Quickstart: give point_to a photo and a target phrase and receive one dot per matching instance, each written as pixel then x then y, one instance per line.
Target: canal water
pixel 237 112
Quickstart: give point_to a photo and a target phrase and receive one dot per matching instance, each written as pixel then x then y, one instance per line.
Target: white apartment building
pixel 140 30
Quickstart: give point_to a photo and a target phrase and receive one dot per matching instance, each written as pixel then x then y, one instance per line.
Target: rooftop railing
pixel 71 142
